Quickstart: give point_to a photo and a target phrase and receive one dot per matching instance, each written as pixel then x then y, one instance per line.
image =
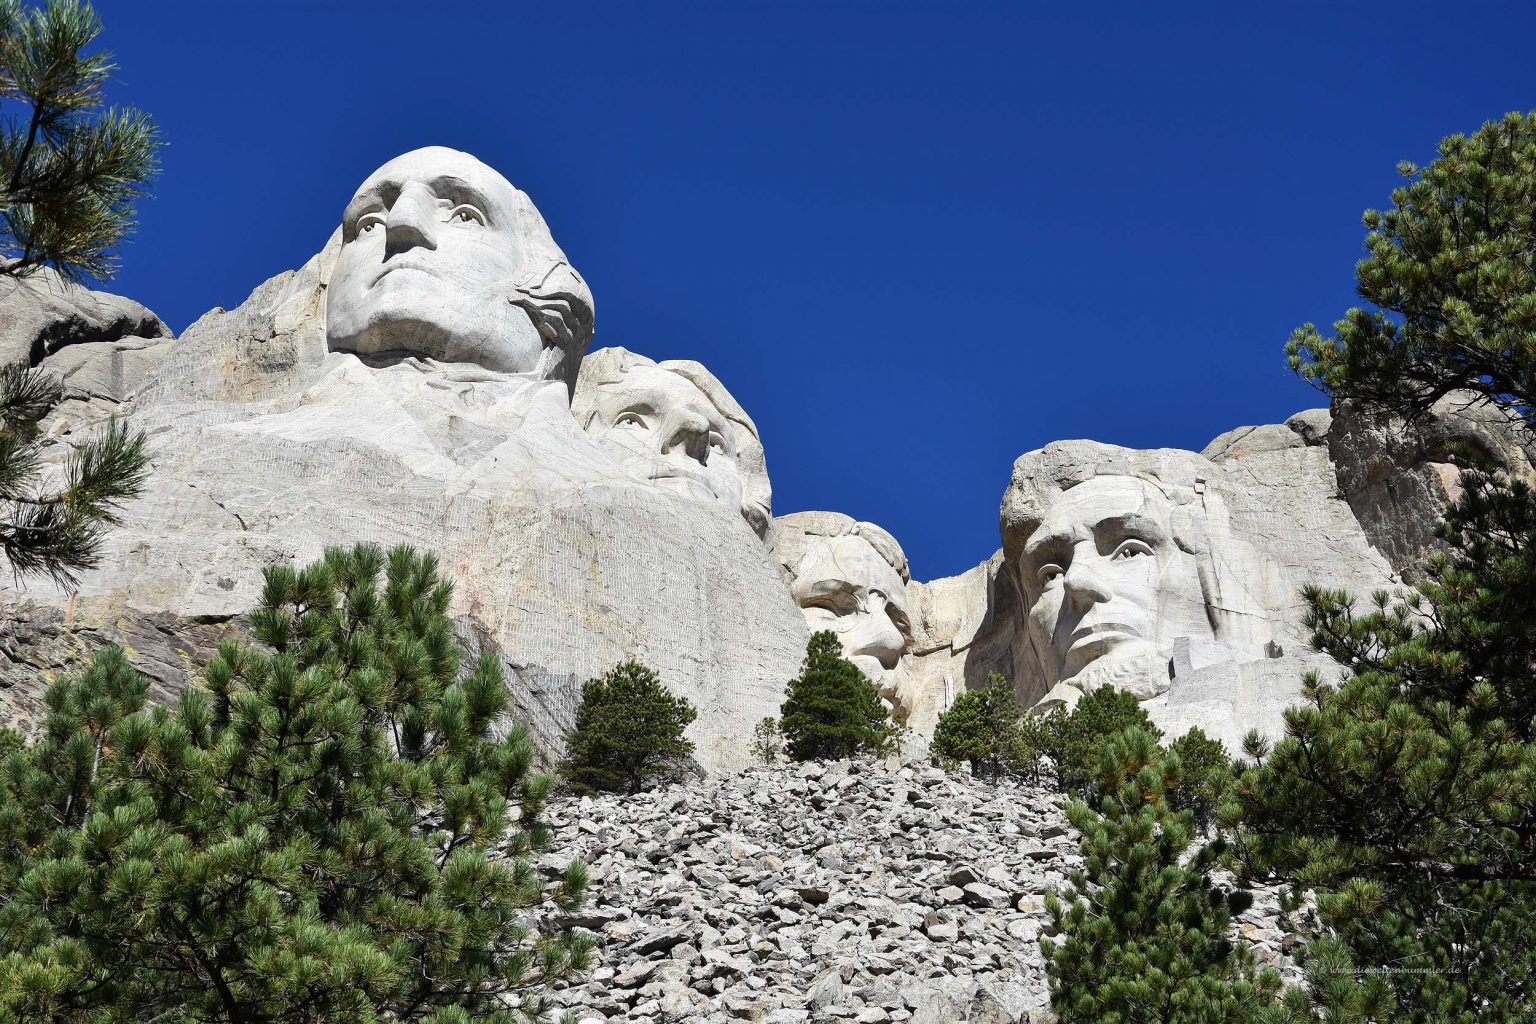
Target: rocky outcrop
pixel 45 314
pixel 838 891
pixel 293 423
pixel 414 383
pixel 1399 477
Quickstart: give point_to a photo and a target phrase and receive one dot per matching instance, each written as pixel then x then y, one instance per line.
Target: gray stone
pixel 42 314
pixel 1245 441
pixel 1399 477
pixel 348 402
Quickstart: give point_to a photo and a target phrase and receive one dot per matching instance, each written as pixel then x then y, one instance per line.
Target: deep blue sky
pixel 915 240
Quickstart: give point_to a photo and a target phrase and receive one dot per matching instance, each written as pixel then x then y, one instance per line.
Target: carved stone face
pixel 430 247
pixel 667 431
pixel 843 584
pixel 1108 589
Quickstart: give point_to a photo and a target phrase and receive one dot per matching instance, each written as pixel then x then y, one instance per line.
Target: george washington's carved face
pixel 1109 590
pixel 430 249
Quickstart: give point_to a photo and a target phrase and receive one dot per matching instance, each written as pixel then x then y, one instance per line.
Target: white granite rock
pixel 42 314
pixel 673 424
pixel 831 891
pixel 1174 577
pixel 1400 477
pixel 851 578
pixel 273 437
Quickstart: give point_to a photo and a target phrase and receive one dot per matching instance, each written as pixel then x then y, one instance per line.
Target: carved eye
pixel 1131 549
pixel 466 214
pixel 1049 574
pixel 632 421
pixel 716 443
pixel 839 602
pixel 835 606
pixel 368 221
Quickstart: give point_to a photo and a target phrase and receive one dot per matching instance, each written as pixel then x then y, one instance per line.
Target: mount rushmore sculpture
pixel 425 379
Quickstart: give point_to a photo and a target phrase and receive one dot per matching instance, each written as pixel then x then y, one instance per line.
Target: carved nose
pixel 691 437
pixel 412 221
pixel 877 637
pixel 1084 585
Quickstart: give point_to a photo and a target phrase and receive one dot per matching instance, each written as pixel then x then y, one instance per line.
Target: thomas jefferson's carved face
pixel 430 248
pixel 843 584
pixel 1108 589
pixel 666 431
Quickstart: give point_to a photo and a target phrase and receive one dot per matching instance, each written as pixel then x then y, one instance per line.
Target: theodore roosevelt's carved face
pixel 430 248
pixel 667 431
pixel 1108 588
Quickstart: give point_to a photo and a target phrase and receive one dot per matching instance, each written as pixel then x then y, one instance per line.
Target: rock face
pixel 1176 577
pixel 424 379
pixel 674 425
pixel 45 315
pixel 295 422
pixel 851 578
pixel 1400 477
pixel 839 891
pixel 101 346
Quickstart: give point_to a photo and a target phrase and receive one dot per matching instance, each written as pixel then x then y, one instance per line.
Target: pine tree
pixel 1074 740
pixel 329 831
pixel 767 741
pixel 984 728
pixel 628 731
pixel 70 171
pixel 1404 792
pixel 1204 772
pixel 57 531
pixel 832 711
pixel 1451 279
pixel 1141 933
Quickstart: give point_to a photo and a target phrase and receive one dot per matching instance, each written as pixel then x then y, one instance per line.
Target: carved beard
pixel 1141 671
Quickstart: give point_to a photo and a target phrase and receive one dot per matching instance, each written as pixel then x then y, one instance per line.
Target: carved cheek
pixel 1045 613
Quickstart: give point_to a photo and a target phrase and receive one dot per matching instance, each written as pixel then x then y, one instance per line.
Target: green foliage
pixel 1204 771
pixel 767 741
pixel 1142 932
pixel 308 840
pixel 832 711
pixel 628 731
pixel 69 170
pixel 1452 280
pixel 1073 741
pixel 1406 793
pixel 985 728
pixel 56 532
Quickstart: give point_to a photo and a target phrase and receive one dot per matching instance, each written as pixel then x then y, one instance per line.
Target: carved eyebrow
pixel 1046 544
pixel 384 193
pixel 638 408
pixel 380 194
pixel 457 191
pixel 1134 524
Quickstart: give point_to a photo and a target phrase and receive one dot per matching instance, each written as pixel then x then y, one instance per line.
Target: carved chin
pixel 1135 668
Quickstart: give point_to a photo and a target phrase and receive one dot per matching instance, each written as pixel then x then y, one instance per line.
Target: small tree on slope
pixel 629 728
pixel 309 840
pixel 832 711
pixel 1143 932
pixel 984 728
